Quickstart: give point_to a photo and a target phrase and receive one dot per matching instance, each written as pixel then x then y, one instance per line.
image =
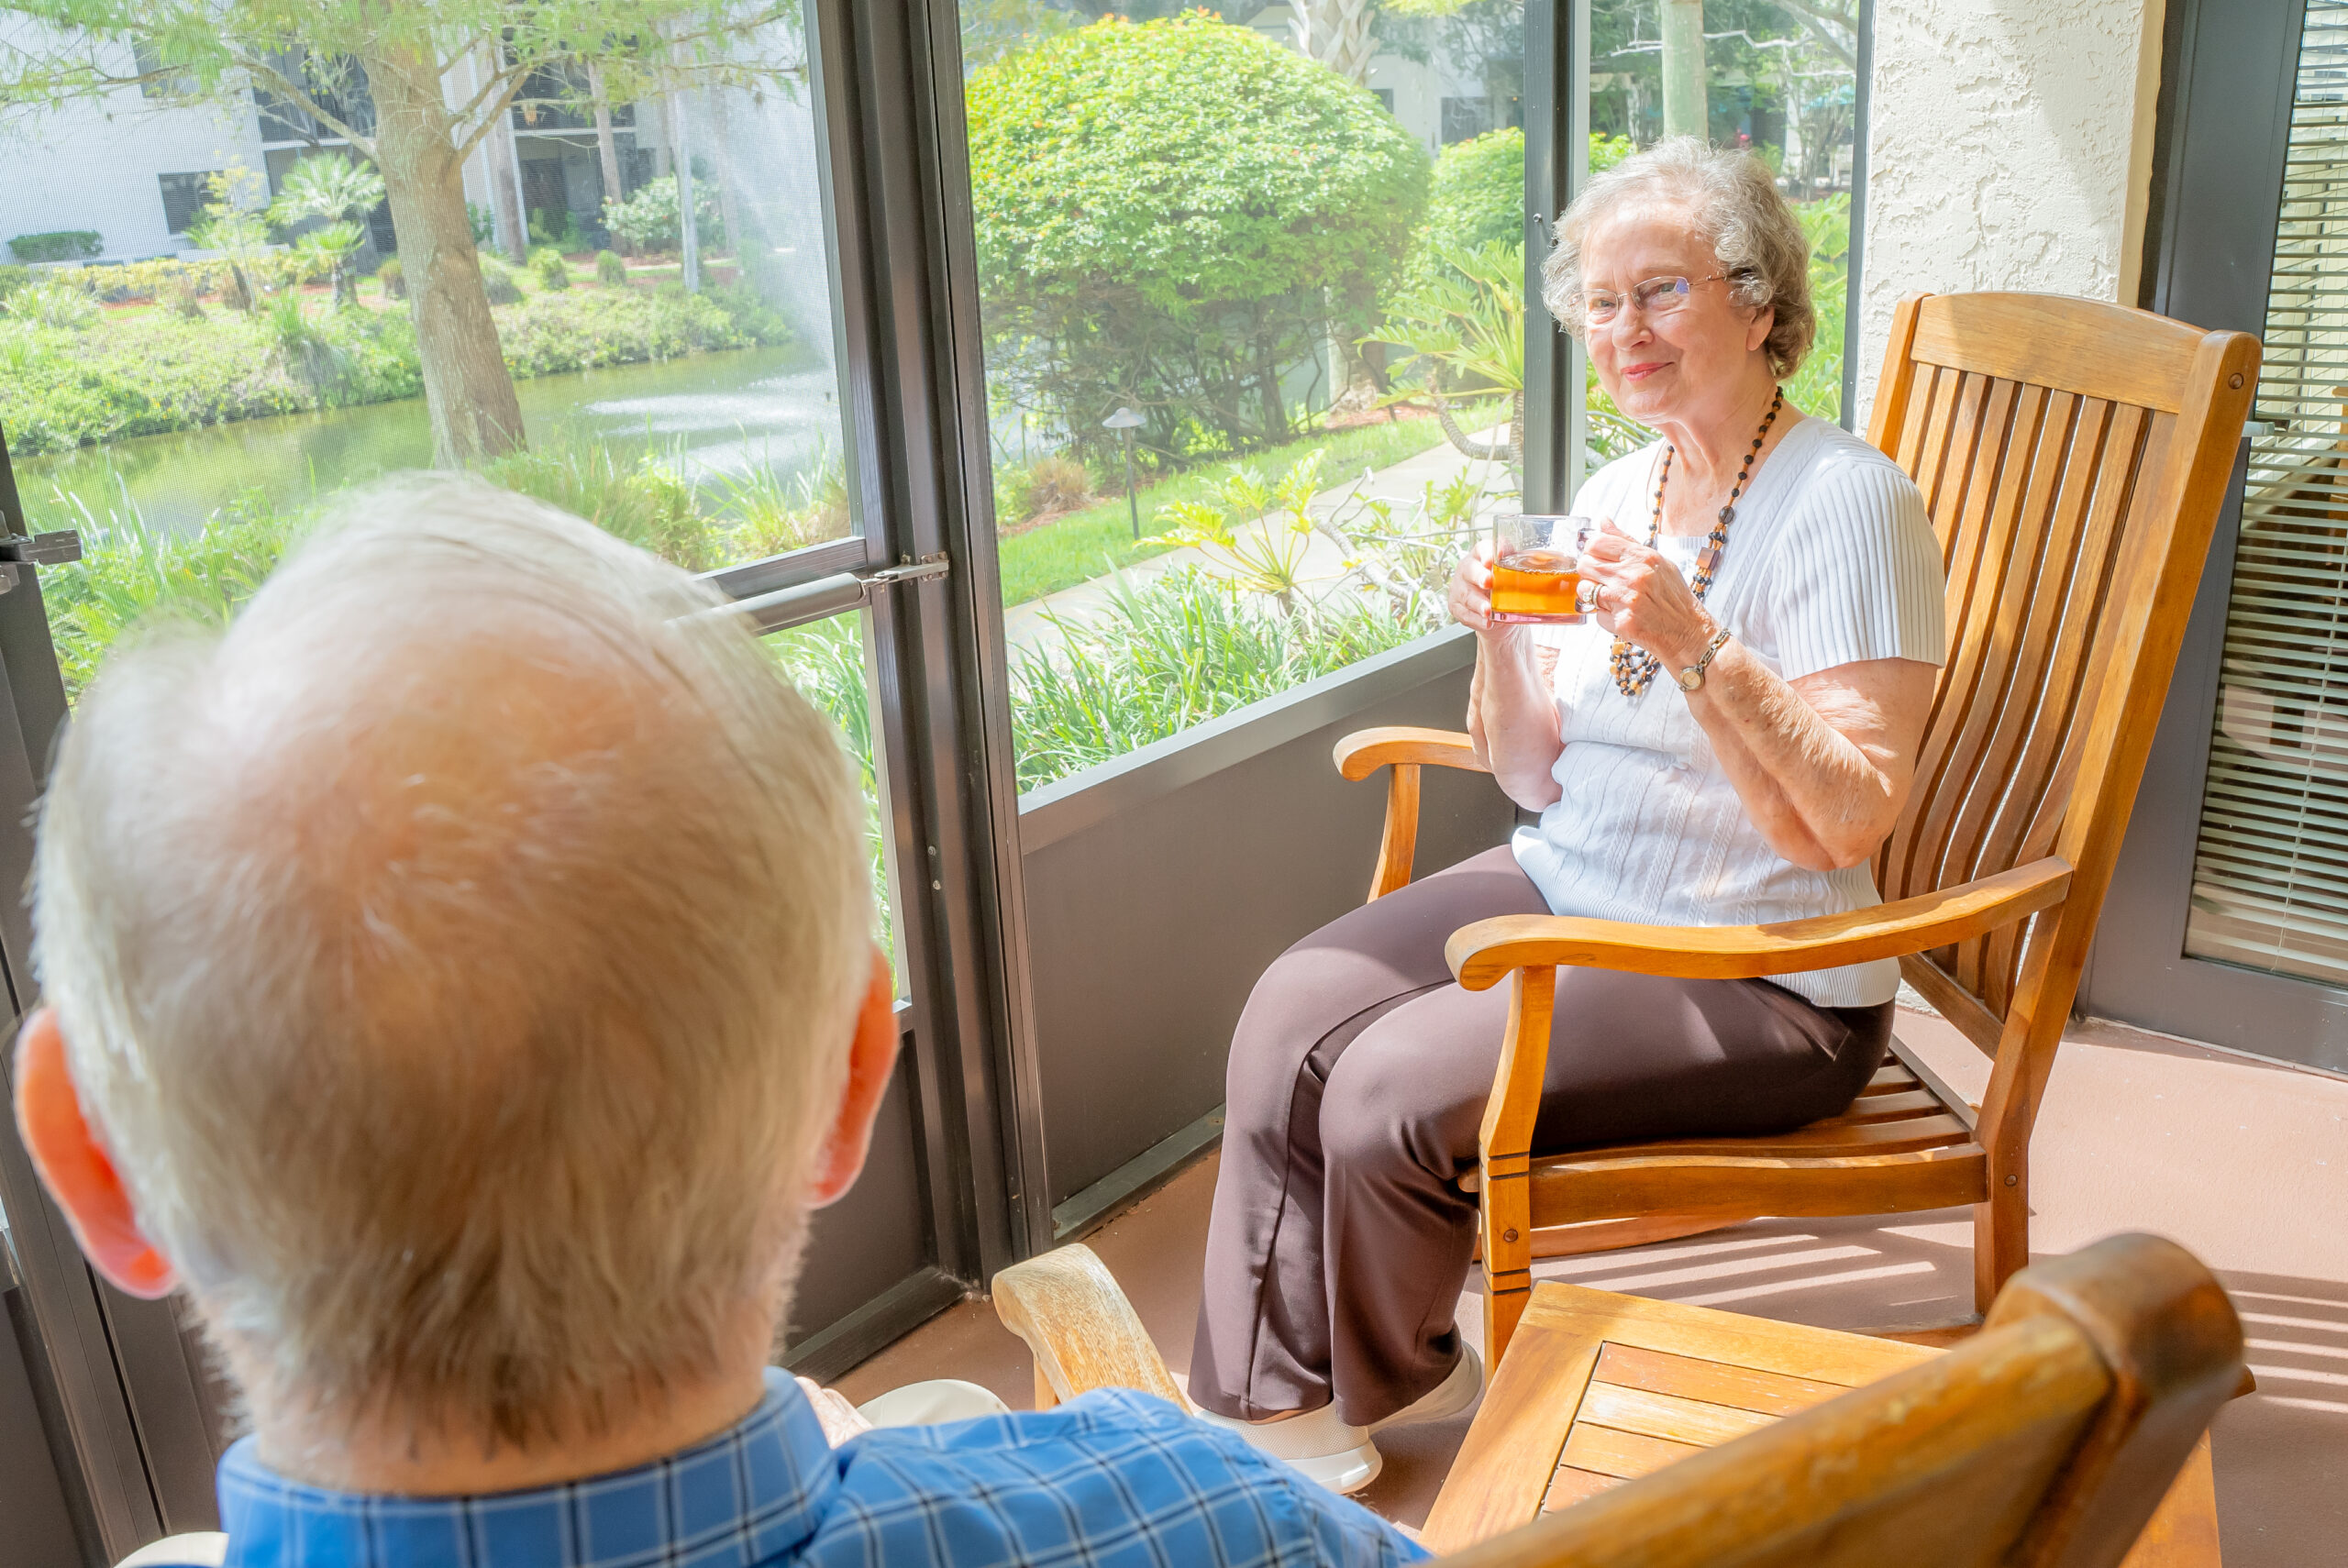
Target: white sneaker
pixel 1462 1388
pixel 1317 1444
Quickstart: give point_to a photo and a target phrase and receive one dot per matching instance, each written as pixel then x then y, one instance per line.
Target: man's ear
pixel 75 1166
pixel 871 1060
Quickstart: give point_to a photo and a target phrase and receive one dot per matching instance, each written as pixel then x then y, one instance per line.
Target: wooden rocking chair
pixel 2073 456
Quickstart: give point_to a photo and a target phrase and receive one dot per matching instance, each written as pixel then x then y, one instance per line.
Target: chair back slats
pixel 2040 432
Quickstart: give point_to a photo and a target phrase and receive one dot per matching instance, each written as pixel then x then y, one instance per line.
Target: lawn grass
pixel 1094 540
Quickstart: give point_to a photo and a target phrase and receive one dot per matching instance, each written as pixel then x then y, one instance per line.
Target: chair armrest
pixel 1482 954
pixel 1082 1329
pixel 1364 752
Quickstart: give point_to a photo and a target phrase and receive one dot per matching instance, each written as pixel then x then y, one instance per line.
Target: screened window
pixel 2270 872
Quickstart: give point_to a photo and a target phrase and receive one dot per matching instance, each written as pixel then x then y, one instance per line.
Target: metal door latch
pixel 934 565
pixel 40 549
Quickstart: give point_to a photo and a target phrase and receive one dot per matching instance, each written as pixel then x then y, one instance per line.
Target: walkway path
pixel 1403 484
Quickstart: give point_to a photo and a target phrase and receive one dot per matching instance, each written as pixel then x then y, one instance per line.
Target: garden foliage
pixel 157 371
pixel 646 217
pixel 1165 212
pixel 56 245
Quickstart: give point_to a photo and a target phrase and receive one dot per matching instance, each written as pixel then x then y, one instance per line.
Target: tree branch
pixel 1817 20
pixel 301 99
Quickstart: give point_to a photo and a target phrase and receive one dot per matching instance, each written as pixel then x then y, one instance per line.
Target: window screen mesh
pixel 2270 875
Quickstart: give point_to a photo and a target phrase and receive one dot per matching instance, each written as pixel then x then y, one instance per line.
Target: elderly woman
pixel 1727 738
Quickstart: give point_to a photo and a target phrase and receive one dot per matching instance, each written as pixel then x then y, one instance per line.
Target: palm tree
pixel 336 189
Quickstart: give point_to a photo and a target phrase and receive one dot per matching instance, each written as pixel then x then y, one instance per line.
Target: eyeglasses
pixel 1657 296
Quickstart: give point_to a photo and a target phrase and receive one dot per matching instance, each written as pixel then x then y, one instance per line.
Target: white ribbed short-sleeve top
pixel 1831 561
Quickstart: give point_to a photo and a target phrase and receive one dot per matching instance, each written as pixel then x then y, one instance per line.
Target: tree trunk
pixel 1336 33
pixel 680 155
pixel 606 149
pixel 468 392
pixel 511 225
pixel 1684 111
pixel 721 163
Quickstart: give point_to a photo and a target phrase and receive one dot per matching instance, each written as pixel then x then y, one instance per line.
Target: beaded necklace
pixel 1634 666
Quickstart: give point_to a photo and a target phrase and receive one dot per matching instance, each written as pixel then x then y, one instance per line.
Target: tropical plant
pixel 1256 534
pixel 1175 653
pixel 305 351
pixel 131 571
pixel 326 251
pixel 394 278
pixel 774 513
pixel 1464 329
pixel 335 190
pixel 648 503
pixel 55 303
pixel 231 224
pixel 1166 212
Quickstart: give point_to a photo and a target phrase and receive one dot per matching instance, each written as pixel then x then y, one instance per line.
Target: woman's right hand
pixel 1470 597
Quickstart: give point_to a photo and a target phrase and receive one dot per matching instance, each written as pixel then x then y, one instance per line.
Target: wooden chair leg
pixel 2000 1239
pixel 1507 1259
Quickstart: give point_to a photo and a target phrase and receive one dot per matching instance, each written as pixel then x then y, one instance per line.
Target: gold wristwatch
pixel 1692 677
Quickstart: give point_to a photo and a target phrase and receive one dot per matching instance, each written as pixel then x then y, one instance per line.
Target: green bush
pixel 12 279
pixel 162 372
pixel 646 217
pixel 58 245
pixel 55 303
pixel 1173 654
pixel 610 270
pixel 546 265
pixel 394 278
pixel 579 331
pixel 497 282
pixel 130 570
pixel 649 504
pixel 1164 211
pixel 1478 197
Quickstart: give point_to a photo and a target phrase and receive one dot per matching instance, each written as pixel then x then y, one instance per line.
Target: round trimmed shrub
pixel 546 265
pixel 394 278
pixel 1166 212
pixel 610 270
pixel 497 282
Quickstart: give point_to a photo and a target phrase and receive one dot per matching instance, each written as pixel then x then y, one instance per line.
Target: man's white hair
pixel 458 956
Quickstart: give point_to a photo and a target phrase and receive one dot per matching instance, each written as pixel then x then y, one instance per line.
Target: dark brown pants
pixel 1340 1238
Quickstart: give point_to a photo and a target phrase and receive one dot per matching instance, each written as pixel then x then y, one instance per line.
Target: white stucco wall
pixel 92 163
pixel 2008 144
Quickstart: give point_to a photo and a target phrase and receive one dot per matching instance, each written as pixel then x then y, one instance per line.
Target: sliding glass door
pixel 687 326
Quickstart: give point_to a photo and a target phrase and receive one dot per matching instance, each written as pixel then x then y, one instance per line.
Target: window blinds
pixel 2270 874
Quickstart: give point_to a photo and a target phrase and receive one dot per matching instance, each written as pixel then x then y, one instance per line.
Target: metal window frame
pixel 887 84
pixel 2229 77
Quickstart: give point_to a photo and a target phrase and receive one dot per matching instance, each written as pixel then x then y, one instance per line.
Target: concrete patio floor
pixel 2243 1161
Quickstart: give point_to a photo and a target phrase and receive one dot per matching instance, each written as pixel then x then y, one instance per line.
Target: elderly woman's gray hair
pixel 1738 211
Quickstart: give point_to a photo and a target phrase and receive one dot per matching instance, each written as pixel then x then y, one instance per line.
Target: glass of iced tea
pixel 1535 557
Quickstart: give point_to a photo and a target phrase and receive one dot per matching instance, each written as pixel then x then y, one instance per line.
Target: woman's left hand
pixel 1642 599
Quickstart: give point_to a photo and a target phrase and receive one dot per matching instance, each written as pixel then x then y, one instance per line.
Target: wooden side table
pixel 1598 1388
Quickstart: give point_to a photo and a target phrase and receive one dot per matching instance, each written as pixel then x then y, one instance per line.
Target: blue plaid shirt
pixel 1112 1479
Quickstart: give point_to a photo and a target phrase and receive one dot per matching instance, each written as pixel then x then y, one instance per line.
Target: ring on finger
pixel 1589 596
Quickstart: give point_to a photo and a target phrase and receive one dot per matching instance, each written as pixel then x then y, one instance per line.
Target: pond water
pixel 727 413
